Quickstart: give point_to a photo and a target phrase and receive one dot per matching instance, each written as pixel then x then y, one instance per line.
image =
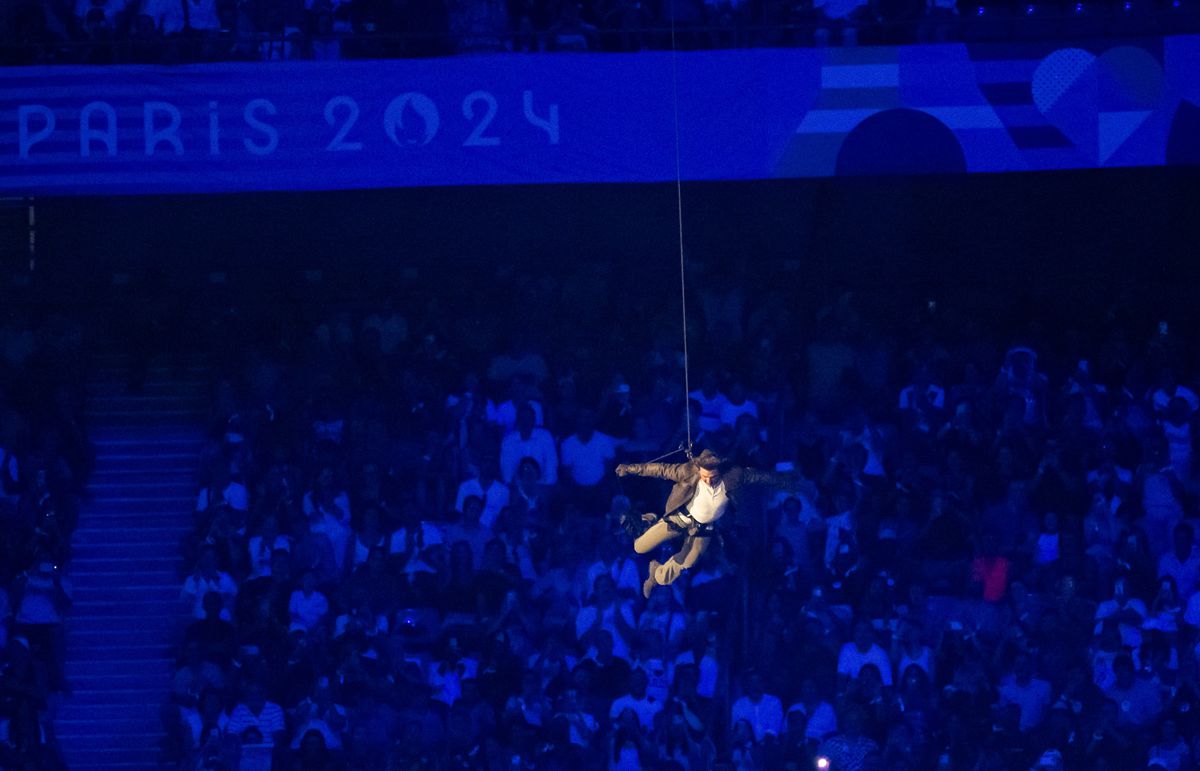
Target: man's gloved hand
pixel 622 470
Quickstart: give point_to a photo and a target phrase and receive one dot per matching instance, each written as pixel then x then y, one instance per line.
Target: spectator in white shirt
pixel 607 612
pixel 168 15
pixel 446 675
pixel 254 711
pixel 863 650
pixel 711 402
pixel 587 452
pixel 1128 611
pixel 612 561
pixel 223 491
pixel 488 488
pixel 637 701
pixel 208 578
pixel 762 711
pixel 307 606
pixel 737 405
pixel 924 400
pixel 260 547
pixel 528 441
pixel 1168 389
pixel 327 498
pixel 504 414
pixel 368 537
pixel 822 720
pixel 1030 694
pixel 205 724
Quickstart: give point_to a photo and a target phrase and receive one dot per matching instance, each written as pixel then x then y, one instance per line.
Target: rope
pixel 669 454
pixel 687 388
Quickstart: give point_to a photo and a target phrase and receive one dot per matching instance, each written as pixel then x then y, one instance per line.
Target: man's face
pixel 710 477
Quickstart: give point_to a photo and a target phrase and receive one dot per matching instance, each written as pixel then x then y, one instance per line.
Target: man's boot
pixel 649 584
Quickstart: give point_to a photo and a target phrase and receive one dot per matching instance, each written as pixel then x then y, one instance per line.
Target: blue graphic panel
pixel 505 119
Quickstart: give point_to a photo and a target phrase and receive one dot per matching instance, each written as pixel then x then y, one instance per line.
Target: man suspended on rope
pixel 705 490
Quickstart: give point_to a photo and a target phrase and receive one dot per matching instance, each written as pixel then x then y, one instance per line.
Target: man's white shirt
pixel 709 503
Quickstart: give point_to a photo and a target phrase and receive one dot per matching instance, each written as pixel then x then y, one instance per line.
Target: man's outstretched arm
pixel 673 472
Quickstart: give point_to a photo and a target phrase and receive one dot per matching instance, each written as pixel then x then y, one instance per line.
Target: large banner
pixel 527 119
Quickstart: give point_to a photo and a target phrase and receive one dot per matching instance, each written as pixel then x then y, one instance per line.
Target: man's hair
pixel 708 460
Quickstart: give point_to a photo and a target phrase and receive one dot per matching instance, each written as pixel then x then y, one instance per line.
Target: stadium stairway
pixel 126 617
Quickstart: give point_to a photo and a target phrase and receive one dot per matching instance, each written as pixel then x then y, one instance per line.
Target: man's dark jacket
pixel 686 477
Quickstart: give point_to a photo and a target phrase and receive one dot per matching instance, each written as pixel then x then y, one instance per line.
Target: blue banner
pixel 527 119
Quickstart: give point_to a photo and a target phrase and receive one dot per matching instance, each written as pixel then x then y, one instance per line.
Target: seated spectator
pixel 617 414
pixel 606 611
pixel 208 578
pixel 195 675
pixel 489 488
pixel 821 718
pixel 1171 752
pixel 1128 611
pixel 636 701
pixel 367 537
pixel 587 453
pixel 662 617
pixel 761 710
pixel 254 716
pixel 327 498
pixel 615 562
pixel 448 671
pixel 261 547
pixel 1138 700
pixel 1028 693
pixel 736 405
pixel 307 607
pixel 528 441
pixel 318 712
pixel 583 726
pixel 214 635
pixel 223 490
pixel 206 741
pixel 711 402
pixel 990 569
pixel 1182 563
pixel 862 650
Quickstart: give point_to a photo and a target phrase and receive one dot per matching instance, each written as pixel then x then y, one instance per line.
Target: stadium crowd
pixel 174 31
pixel 411 552
pixel 45 458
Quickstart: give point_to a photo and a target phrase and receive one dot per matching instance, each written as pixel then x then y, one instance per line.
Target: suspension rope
pixel 687 388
